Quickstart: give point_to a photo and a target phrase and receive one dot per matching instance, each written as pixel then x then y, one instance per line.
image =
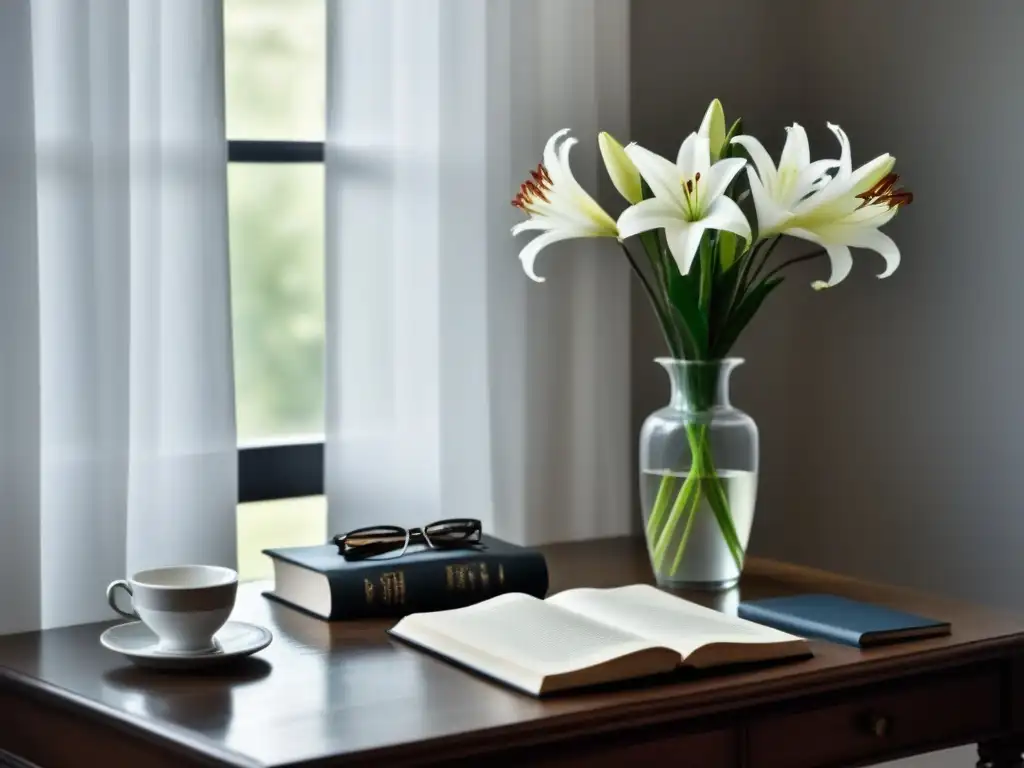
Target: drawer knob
pixel 880 725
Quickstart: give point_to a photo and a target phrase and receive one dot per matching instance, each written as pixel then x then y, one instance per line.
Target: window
pixel 275 61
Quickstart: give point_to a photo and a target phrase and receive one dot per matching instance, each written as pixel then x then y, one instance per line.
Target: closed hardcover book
pixel 320 581
pixel 841 620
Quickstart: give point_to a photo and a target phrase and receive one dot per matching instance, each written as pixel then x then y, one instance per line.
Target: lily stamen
pixel 896 199
pixel 691 193
pixel 533 189
pixel 886 193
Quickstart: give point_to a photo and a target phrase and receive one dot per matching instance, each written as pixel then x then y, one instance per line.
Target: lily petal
pixel 805 234
pixel 845 158
pixel 871 216
pixel 683 239
pixel 725 214
pixel 529 253
pixel 797 152
pixel 563 152
pixel 551 156
pixel 814 172
pixel 541 224
pixel 584 208
pixel 873 171
pixel 660 174
pixel 842 263
pixel 878 241
pixel 760 157
pixel 694 156
pixel 647 215
pixel 720 175
pixel 770 214
pixel 851 184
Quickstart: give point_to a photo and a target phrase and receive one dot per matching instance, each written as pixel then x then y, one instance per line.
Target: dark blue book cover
pixel 320 581
pixel 840 620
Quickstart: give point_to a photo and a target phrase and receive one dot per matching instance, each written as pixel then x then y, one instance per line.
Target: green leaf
pixel 684 298
pixel 684 301
pixel 707 273
pixel 742 315
pixel 663 266
pixel 735 130
pixel 726 249
pixel 649 240
pixel 722 297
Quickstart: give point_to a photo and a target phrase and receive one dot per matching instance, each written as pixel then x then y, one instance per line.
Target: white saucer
pixel 138 642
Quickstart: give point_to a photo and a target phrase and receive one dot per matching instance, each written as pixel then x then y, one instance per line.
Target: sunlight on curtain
pixel 455 387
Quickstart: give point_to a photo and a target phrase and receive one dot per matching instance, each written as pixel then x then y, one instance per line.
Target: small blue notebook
pixel 840 620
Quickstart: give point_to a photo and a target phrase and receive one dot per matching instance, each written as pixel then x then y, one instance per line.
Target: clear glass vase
pixel 698 478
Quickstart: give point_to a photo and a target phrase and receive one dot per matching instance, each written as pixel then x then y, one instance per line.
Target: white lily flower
pixel 557 205
pixel 689 198
pixel 776 191
pixel 848 210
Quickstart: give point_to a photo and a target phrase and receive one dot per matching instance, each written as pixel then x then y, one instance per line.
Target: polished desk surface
pixel 347 692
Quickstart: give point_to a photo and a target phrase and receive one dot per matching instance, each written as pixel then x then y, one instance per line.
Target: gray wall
pixel 917 438
pixel 891 414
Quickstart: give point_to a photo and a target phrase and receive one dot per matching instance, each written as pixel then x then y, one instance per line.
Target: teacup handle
pixel 112 597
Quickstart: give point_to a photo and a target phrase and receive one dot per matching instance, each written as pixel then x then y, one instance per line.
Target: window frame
pixel 274 151
pixel 278 469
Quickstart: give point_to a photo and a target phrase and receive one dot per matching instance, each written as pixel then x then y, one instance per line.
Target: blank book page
pixel 531 633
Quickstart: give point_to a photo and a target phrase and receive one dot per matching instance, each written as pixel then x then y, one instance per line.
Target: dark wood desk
pixel 347 695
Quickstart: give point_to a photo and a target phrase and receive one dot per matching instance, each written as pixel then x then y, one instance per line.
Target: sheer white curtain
pixel 455 386
pixel 117 432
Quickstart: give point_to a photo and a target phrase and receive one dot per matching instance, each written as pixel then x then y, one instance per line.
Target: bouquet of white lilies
pixel 704 263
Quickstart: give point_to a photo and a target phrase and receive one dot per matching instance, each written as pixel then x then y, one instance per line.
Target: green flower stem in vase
pixel 701 483
pixel 698 478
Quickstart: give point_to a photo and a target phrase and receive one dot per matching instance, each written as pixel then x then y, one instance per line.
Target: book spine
pixel 799 626
pixel 396 589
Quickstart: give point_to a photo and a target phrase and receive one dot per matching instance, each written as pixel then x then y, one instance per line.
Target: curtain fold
pixel 117 432
pixel 455 387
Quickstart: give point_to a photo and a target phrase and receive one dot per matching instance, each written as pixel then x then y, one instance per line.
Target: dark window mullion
pixel 280 472
pixel 244 151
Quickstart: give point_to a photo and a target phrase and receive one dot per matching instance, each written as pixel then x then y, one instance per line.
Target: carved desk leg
pixel 1001 753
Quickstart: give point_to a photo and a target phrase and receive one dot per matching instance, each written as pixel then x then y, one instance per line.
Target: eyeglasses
pixel 387 541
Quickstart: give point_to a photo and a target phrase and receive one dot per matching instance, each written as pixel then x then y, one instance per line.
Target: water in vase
pixel 706 560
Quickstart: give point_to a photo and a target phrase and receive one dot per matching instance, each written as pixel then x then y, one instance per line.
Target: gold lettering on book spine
pixel 455 577
pixel 470 577
pixel 485 577
pixel 392 586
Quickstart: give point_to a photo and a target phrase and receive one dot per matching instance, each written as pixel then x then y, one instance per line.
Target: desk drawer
pixel 901 715
pixel 645 747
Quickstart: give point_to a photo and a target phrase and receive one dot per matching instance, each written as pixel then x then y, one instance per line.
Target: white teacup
pixel 184 605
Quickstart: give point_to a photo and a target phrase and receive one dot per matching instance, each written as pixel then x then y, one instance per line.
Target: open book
pixel 583 637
